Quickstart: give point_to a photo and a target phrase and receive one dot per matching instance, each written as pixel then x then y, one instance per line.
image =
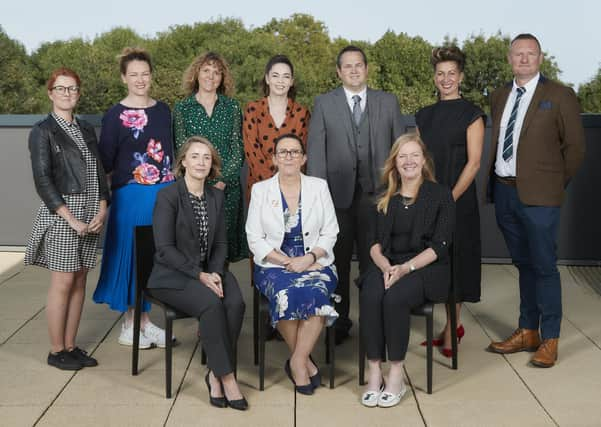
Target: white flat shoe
pixel 370 398
pixel 388 400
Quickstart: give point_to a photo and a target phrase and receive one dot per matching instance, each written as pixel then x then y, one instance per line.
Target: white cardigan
pixel 265 221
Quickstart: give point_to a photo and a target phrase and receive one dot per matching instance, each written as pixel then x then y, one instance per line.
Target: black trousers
pixel 353 229
pixel 384 314
pixel 220 320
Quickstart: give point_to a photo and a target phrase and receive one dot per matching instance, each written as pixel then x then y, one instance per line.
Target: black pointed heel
pixel 306 389
pixel 315 379
pixel 239 404
pixel 218 402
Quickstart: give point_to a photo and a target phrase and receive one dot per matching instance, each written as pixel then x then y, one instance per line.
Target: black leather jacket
pixel 58 165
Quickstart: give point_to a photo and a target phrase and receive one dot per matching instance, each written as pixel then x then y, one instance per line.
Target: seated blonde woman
pixel 291 230
pixel 410 237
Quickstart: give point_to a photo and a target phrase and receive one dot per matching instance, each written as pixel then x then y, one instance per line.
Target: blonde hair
pixel 390 175
pixel 190 78
pixel 180 170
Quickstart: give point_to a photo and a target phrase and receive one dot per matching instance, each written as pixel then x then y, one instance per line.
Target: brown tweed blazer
pixel 551 143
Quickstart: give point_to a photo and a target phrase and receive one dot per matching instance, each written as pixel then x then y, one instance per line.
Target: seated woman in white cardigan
pixel 291 229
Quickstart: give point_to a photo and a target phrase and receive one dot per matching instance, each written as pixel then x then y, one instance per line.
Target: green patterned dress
pixel 223 129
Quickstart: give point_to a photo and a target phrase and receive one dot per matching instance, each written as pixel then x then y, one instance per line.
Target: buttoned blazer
pixel 551 143
pixel 265 221
pixel 177 238
pixel 331 151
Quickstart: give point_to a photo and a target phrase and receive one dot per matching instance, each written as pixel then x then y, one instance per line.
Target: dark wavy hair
pixel 278 59
pixel 448 53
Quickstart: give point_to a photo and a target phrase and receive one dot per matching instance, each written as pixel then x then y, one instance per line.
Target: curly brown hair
pixel 190 78
pixel 448 53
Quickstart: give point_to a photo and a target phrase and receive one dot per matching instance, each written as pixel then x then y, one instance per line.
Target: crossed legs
pixel 301 336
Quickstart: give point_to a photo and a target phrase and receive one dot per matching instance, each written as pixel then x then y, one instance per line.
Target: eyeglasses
pixel 66 89
pixel 295 154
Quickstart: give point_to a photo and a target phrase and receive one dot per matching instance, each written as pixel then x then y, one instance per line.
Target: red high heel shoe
pixel 437 342
pixel 448 352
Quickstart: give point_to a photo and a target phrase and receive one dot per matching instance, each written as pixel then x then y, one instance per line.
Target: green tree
pixel 403 67
pixel 589 94
pixel 96 63
pixel 17 85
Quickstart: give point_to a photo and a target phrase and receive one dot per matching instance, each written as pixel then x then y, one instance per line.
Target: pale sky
pixel 569 30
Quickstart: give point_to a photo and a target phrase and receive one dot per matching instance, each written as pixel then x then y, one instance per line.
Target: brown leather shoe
pixel 520 340
pixel 546 355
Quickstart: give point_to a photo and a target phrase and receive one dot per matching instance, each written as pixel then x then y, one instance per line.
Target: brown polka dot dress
pixel 259 132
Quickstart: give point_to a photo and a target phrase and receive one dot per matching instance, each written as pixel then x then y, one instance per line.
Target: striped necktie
pixel 508 141
pixel 357 109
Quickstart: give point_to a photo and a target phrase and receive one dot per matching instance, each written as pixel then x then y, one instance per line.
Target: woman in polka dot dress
pixel 273 115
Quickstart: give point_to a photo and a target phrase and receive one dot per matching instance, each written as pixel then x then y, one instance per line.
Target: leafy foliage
pixel 398 63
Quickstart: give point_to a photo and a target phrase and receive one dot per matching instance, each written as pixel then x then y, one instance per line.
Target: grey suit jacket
pixel 330 145
pixel 177 238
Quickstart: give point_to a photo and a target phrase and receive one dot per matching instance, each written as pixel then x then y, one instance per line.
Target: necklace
pixel 407 201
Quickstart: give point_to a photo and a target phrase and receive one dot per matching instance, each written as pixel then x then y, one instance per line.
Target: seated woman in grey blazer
pixel 291 229
pixel 410 236
pixel 189 272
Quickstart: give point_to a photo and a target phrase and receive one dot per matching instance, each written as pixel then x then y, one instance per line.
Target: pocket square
pixel 544 105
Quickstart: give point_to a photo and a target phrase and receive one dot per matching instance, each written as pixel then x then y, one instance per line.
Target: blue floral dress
pixel 297 296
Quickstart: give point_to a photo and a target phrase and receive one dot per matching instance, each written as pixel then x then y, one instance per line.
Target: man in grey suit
pixel 350 135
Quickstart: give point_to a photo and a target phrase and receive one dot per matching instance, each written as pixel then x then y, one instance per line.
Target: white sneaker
pixel 387 399
pixel 155 334
pixel 127 337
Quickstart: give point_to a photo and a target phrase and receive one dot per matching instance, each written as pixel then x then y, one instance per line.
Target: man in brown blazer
pixel 537 147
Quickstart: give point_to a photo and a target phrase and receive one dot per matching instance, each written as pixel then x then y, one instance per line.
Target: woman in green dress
pixel 209 111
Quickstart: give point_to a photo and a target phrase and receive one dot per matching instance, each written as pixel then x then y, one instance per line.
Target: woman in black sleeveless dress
pixel 453 130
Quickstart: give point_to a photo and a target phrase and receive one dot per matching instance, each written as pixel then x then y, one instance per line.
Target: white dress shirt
pixel 351 102
pixel 508 168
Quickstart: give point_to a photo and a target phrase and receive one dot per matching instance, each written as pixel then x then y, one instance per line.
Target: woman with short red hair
pixel 70 180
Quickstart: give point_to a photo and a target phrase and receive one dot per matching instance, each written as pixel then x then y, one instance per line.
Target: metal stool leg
pixel 168 355
pixel 429 355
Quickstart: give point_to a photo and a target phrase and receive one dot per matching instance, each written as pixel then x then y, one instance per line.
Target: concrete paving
pixel 486 390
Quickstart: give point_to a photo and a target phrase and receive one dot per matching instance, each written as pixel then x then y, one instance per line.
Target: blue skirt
pixel 131 205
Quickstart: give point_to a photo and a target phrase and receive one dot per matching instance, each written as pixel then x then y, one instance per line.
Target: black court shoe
pixel 315 379
pixel 218 402
pixel 306 389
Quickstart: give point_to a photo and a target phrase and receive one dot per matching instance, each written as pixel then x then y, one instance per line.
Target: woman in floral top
pixel 209 112
pixel 137 151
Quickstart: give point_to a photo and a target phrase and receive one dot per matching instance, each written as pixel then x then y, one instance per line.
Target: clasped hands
pixel 94 227
pixel 298 264
pixel 392 273
pixel 213 282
